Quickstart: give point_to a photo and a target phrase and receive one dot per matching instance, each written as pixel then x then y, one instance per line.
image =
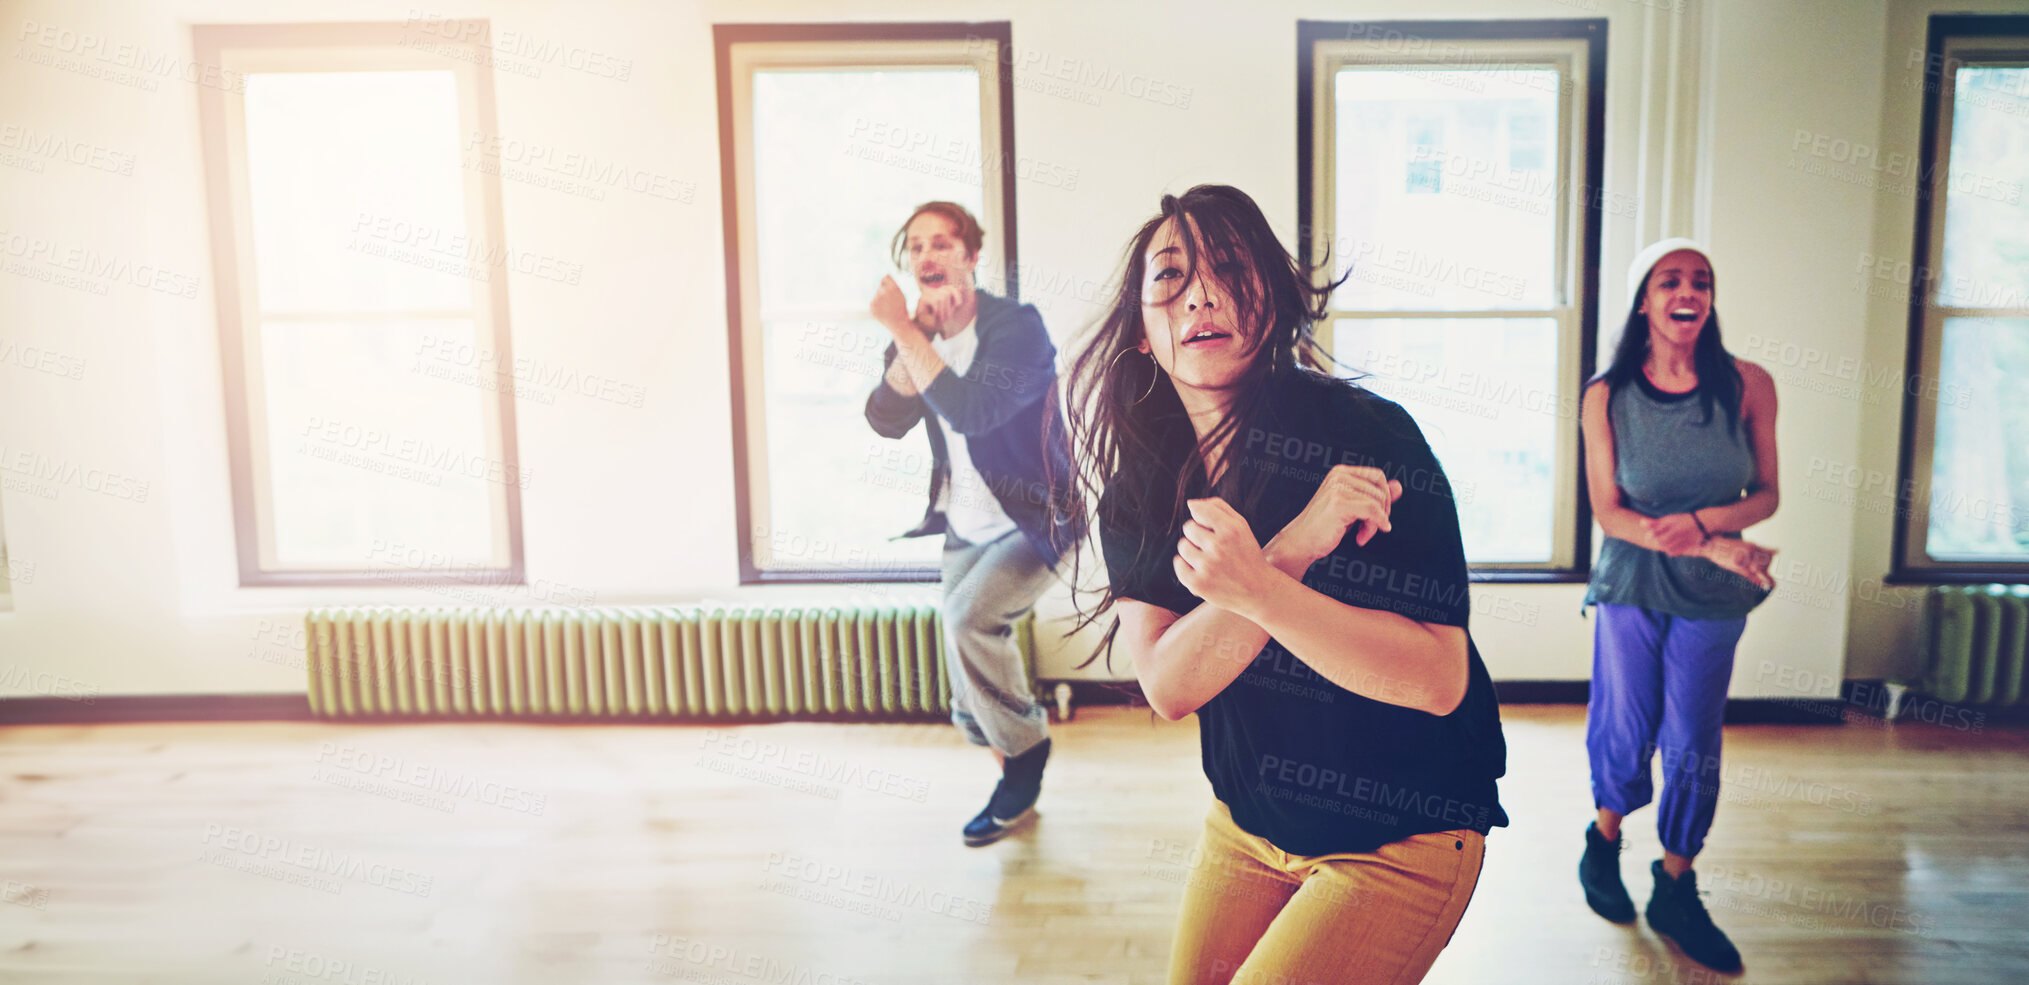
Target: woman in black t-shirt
pixel 1284 560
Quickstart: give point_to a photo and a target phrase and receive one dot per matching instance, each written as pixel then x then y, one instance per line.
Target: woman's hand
pixel 1351 497
pixel 889 307
pixel 1744 558
pixel 1676 534
pixel 1218 559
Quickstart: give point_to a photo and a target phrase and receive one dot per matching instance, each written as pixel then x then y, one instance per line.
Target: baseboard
pixel 1543 692
pixel 1739 711
pixel 1785 711
pixel 1094 692
pixel 132 708
pixel 106 709
pixel 1858 697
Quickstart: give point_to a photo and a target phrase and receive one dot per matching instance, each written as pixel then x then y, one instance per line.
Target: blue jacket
pixel 999 406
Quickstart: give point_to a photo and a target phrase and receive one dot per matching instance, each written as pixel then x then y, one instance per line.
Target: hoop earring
pixel 1151 380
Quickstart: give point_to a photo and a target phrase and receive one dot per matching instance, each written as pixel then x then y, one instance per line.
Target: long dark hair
pixel 1128 429
pixel 1719 380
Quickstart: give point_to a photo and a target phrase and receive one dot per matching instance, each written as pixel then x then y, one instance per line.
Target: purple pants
pixel 1659 685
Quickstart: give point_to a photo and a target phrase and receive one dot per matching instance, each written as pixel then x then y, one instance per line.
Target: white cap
pixel 1652 254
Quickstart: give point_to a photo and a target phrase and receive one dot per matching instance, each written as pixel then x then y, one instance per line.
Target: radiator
pixel 877 662
pixel 1973 641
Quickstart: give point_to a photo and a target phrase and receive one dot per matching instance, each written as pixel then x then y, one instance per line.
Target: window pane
pixel 1446 188
pixel 1979 501
pixel 840 159
pixel 829 474
pixel 350 172
pixel 1986 216
pixel 364 454
pixel 1485 393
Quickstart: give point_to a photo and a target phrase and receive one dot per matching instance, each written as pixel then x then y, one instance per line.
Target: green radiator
pixel 1973 642
pixel 876 662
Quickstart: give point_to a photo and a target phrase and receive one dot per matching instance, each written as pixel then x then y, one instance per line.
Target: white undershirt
pixel 970 509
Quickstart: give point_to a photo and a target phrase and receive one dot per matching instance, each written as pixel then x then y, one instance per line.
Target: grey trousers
pixel 987 587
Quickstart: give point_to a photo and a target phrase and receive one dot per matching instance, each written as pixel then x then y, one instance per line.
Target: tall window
pixel 830 136
pixel 362 298
pixel 1452 181
pixel 1964 505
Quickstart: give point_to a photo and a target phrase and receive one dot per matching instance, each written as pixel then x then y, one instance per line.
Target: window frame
pixel 6 564
pixel 237 49
pixel 739 50
pixel 1325 46
pixel 1952 40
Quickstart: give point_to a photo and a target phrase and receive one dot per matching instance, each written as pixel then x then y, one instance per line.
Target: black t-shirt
pixel 1310 766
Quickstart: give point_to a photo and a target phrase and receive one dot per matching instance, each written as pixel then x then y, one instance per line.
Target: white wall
pixel 138 595
pixel 1883 620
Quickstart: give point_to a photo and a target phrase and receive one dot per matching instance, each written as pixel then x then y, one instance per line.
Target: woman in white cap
pixel 1680 457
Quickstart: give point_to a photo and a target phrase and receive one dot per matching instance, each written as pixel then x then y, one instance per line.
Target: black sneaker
pixel 1676 912
pixel 1599 873
pixel 1014 798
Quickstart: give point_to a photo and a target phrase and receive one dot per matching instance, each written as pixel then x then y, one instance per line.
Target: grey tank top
pixel 1669 459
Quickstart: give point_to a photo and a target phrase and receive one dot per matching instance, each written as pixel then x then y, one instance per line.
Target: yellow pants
pixel 1256 915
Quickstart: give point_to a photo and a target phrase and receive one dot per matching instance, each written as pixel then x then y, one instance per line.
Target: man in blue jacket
pixel 976 369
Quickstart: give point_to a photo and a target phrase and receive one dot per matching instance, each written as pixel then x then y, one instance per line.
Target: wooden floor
pixel 829 855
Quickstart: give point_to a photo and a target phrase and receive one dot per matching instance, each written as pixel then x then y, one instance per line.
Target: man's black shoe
pixel 1599 873
pixel 1676 912
pixel 1014 798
